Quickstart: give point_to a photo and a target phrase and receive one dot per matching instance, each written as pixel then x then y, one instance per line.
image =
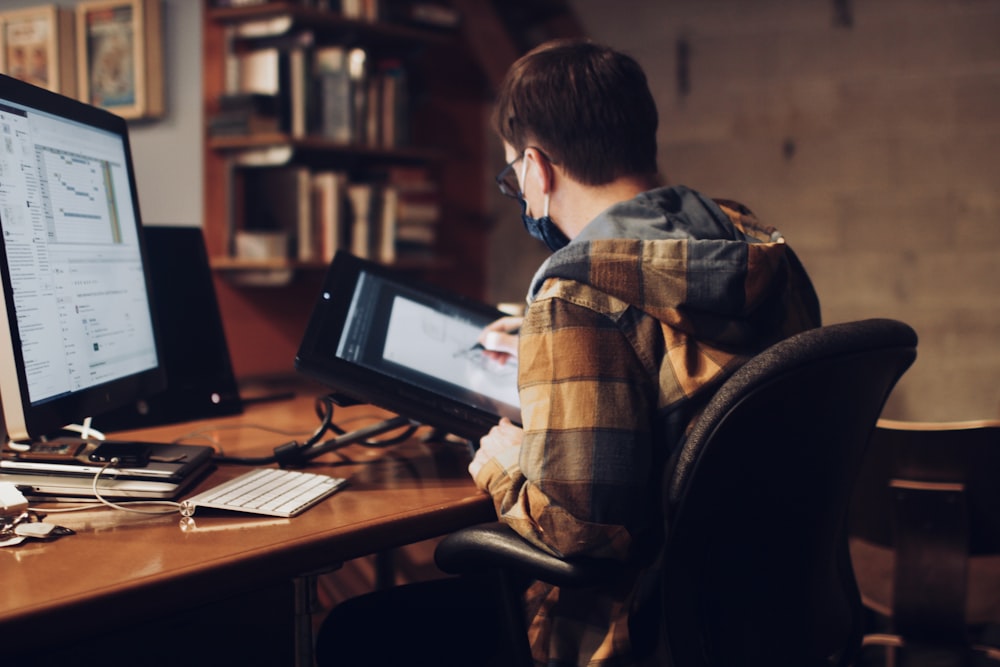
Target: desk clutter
pixel 159 471
pixel 18 523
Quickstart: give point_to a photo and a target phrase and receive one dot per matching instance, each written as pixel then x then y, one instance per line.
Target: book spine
pixel 328 211
pixel 361 198
pixel 387 226
pixel 334 97
pixel 306 237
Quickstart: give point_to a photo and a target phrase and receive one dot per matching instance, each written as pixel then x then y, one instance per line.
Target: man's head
pixel 586 106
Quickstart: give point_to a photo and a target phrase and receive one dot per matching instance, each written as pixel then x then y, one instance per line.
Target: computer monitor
pixel 78 335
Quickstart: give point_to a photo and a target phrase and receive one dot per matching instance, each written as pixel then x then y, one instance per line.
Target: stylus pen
pixel 493 337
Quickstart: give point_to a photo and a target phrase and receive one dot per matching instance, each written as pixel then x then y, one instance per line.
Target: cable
pixel 330 402
pixel 97 494
pixel 287 454
pixel 19 446
pixel 84 429
pixel 293 453
pixel 102 501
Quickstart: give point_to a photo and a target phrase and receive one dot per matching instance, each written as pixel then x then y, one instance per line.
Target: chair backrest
pixel 756 568
pixel 924 504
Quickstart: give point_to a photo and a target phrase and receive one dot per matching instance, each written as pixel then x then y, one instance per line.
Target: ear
pixel 539 168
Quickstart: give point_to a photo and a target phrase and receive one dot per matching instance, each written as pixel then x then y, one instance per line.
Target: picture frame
pixel 37 45
pixel 120 56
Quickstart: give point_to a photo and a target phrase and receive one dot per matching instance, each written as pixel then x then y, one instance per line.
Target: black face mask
pixel 542 228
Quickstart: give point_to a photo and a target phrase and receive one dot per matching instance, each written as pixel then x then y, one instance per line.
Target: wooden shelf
pixel 266 305
pixel 278 148
pixel 280 18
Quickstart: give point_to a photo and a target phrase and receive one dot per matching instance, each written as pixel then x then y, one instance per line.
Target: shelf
pixel 282 18
pixel 266 304
pixel 277 149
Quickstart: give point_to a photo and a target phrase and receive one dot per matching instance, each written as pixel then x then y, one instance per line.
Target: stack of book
pixel 248 113
pixel 331 91
pixel 296 213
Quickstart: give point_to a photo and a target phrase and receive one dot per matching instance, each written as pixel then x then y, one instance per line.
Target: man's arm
pixel 581 472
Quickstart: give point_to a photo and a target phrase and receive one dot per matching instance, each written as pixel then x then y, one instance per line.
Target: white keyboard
pixel 269 491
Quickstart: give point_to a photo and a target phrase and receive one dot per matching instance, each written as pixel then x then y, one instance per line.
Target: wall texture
pixel 868 131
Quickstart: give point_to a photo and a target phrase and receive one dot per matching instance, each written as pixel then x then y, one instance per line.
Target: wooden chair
pixel 925 538
pixel 756 569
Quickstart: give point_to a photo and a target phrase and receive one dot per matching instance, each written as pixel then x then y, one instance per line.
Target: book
pixel 247 113
pixel 281 70
pixel 329 212
pixel 364 214
pixel 432 14
pixel 393 101
pixel 279 199
pixel 357 70
pixel 409 214
pixel 334 94
pixel 344 95
pixel 386 237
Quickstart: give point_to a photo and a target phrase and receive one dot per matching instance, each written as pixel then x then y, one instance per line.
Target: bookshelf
pixel 267 273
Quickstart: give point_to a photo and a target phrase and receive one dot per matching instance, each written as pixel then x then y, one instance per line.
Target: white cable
pixel 85 431
pixel 97 494
pixel 19 446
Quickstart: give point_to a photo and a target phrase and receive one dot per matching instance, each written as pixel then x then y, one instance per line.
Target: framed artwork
pixel 120 56
pixel 37 46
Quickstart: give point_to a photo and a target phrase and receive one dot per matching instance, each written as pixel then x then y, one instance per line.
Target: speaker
pixel 200 380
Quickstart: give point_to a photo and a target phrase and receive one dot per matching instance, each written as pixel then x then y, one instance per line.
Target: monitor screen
pixel 77 331
pixel 381 337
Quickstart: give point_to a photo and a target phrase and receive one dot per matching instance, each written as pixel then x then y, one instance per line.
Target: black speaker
pixel 200 380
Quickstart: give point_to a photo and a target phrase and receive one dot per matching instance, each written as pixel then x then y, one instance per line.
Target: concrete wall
pixel 872 141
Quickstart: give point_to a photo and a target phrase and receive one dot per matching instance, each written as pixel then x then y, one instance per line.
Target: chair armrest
pixel 496 545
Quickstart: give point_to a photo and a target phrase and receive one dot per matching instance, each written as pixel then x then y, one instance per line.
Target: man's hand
pixel 499 338
pixel 502 442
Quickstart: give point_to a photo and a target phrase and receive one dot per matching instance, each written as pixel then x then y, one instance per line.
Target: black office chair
pixel 756 568
pixel 925 537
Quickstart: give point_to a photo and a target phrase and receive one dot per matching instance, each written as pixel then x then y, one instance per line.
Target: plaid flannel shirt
pixel 628 329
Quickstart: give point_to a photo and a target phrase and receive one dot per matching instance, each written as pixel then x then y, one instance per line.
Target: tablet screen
pixel 385 339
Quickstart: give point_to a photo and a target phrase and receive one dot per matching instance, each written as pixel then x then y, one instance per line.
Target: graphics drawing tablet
pixel 380 337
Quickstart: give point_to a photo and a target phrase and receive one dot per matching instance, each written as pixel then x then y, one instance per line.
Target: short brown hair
pixel 586 106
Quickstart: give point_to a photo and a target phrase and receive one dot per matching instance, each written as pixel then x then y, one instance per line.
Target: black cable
pixel 293 453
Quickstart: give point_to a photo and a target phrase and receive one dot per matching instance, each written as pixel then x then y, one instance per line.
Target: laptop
pixel 376 335
pixel 168 471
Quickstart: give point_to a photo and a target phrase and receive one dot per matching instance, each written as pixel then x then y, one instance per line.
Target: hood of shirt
pixel 712 273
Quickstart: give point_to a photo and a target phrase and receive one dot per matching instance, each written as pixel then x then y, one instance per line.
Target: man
pixel 651 298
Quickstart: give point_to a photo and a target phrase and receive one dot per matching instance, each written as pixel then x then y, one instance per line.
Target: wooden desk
pixel 121 566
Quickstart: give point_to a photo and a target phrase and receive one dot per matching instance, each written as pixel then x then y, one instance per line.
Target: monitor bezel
pixel 317 359
pixel 22 420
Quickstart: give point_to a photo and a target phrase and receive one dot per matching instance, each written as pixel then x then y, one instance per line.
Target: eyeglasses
pixel 507 179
